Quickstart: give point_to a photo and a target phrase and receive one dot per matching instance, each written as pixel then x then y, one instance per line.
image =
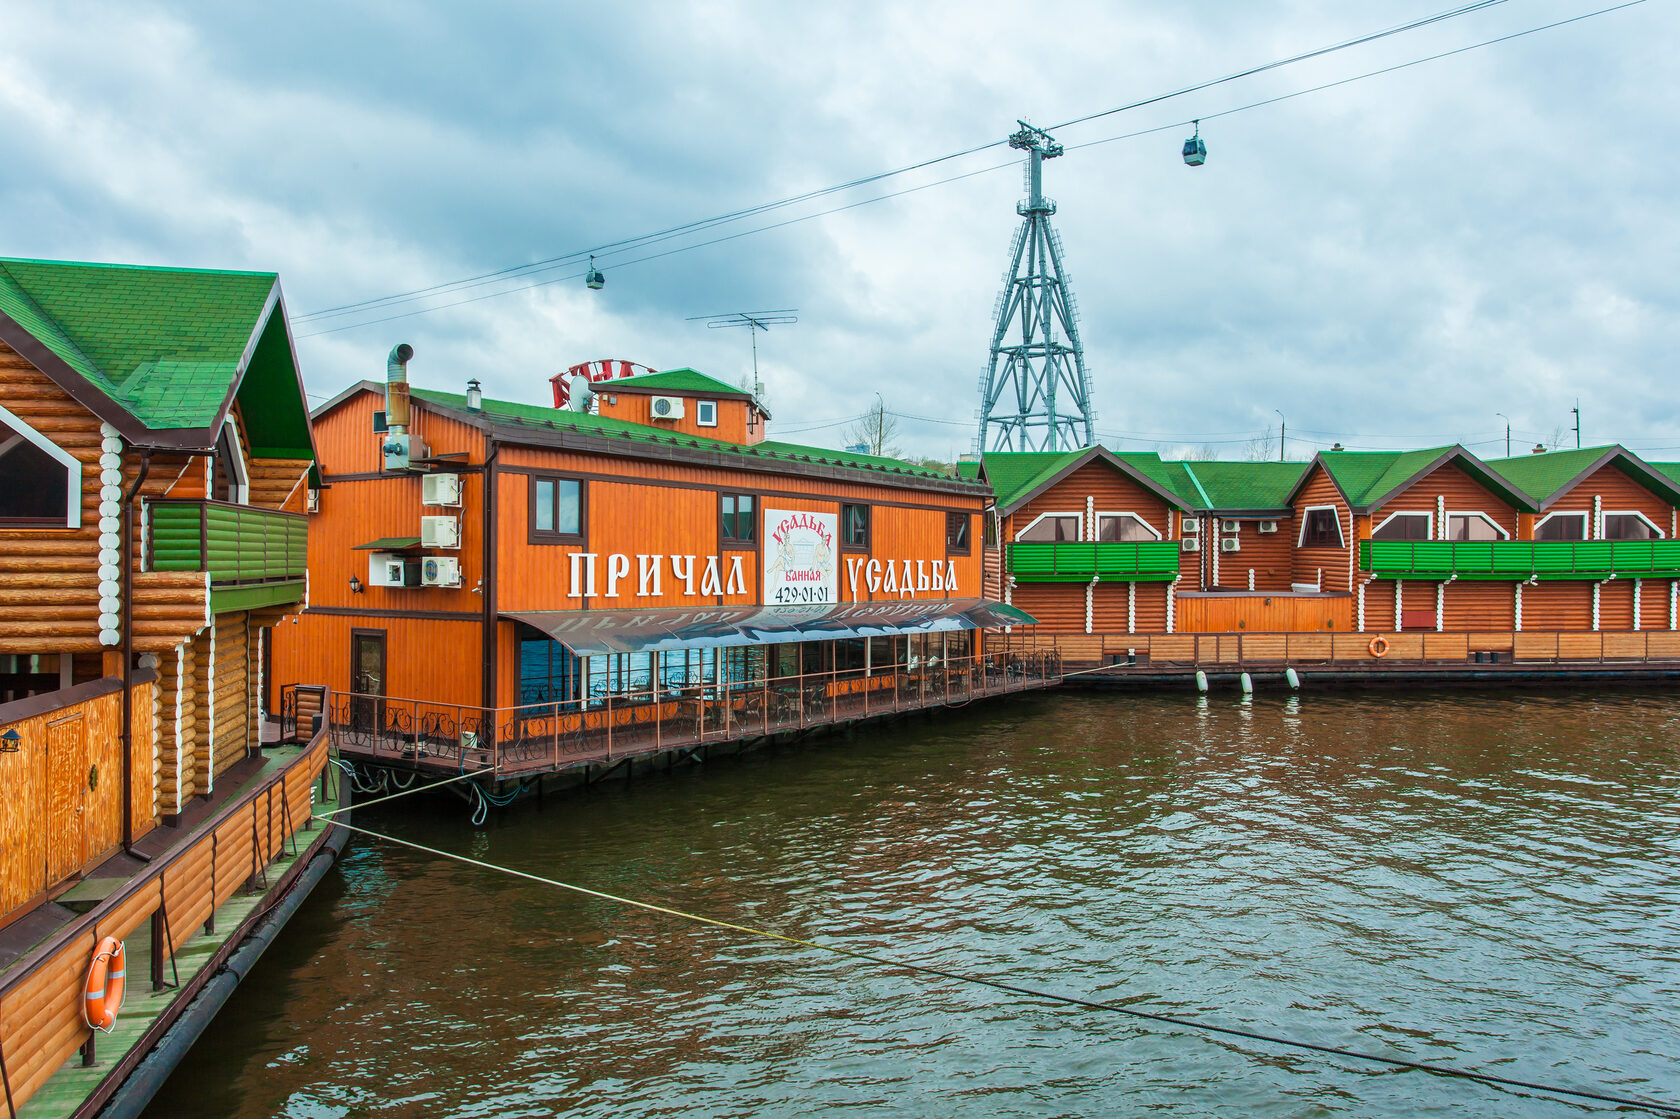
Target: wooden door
pixel 367 678
pixel 66 779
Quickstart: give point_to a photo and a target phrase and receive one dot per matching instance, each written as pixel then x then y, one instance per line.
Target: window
pixel 957 527
pixel 1051 528
pixel 1561 526
pixel 548 671
pixel 738 518
pixel 1123 528
pixel 557 510
pixel 1402 526
pixel 39 483
pixel 1322 528
pixel 1474 526
pixel 705 413
pixel 854 527
pixel 1630 526
pixel 988 528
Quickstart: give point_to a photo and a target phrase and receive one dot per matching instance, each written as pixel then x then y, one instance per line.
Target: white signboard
pixel 800 557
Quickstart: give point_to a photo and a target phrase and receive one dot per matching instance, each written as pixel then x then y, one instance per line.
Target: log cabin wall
pixel 1615 493
pixel 1100 487
pixel 1269 556
pixel 1478 606
pixel 1334 564
pixel 1459 492
pixel 1557 606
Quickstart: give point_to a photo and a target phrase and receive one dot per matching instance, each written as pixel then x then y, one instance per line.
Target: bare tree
pixel 876 429
pixel 1262 448
pixel 1207 452
pixel 1558 434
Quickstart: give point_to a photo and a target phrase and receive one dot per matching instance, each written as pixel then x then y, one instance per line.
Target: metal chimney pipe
pixel 396 388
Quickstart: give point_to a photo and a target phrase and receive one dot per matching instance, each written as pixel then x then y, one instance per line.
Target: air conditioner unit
pixel 441 489
pixel 1266 526
pixel 1190 544
pixel 1192 526
pixel 440 571
pixel 1232 527
pixel 1230 544
pixel 386 569
pixel 667 407
pixel 440 532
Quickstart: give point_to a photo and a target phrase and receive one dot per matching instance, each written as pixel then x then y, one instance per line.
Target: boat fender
pixel 1379 646
pixel 1293 677
pixel 106 982
pixel 1201 681
pixel 1247 684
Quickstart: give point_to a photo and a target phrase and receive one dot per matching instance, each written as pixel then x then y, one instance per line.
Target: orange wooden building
pixel 472 556
pixel 1529 558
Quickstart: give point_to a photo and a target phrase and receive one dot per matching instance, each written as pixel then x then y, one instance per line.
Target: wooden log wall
pixel 1462 494
pixel 1333 563
pixel 1270 556
pixel 41 1022
pixel 1260 612
pixel 1230 650
pixel 233 727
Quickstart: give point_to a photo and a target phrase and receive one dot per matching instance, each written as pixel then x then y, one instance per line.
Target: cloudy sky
pixel 1388 263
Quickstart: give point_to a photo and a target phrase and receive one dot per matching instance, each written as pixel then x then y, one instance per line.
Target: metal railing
pixel 543 737
pixel 1070 561
pixel 1516 560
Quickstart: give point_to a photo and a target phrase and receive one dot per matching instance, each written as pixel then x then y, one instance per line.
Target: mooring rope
pixel 1034 993
pixel 406 792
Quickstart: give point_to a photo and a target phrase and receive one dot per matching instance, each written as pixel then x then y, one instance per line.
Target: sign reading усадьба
pixel 799 565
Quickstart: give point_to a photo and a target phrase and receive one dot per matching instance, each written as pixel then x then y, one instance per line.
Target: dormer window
pixel 40 484
pixel 705 413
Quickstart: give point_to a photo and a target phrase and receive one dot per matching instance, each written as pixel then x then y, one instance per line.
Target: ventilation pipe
pixel 396 387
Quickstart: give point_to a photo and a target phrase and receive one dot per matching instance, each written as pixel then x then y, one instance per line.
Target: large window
pixel 1051 528
pixel 957 528
pixel 1123 528
pixel 35 484
pixel 1401 526
pixel 1630 526
pixel 548 671
pixel 557 510
pixel 737 518
pixel 1322 528
pixel 1562 526
pixel 854 527
pixel 1474 526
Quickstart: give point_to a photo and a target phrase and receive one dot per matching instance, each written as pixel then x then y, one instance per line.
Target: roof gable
pixel 1552 475
pixel 1368 478
pixel 673 380
pixel 157 352
pixel 1018 476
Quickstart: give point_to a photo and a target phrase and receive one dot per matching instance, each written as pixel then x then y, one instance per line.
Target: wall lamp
pixel 355 585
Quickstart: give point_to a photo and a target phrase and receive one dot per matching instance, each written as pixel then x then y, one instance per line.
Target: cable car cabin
pixel 1195 151
pixel 594 278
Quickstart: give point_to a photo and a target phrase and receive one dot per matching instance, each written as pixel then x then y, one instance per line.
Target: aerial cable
pixel 393 300
pixel 1035 993
pixel 699 224
pixel 1397 29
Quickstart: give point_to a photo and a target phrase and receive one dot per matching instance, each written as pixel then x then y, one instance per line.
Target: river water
pixel 1485 880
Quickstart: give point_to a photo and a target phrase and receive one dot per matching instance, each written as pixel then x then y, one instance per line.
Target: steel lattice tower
pixel 1037 393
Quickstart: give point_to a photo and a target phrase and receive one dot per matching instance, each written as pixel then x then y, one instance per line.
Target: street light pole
pixel 1283 433
pixel 1507 420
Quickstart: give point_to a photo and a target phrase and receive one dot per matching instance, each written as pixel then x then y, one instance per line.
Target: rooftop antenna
pixel 754 321
pixel 1036 395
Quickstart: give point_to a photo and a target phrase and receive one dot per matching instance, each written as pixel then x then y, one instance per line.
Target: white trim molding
pixel 1074 513
pixel 1586 525
pixel 1306 515
pixel 72 465
pixel 1604 514
pixel 1429 533
pixel 1456 513
pixel 1096 525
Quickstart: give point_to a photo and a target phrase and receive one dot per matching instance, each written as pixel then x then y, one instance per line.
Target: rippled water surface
pixel 1481 880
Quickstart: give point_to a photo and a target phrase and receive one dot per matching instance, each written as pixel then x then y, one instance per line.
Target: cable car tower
pixel 1037 393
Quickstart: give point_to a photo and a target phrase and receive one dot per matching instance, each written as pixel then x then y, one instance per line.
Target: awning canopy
pixel 591 633
pixel 388 544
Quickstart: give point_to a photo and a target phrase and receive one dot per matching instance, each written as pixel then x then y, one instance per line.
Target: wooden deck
pixel 515 743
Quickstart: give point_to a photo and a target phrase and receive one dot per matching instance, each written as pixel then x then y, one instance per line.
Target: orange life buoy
pixel 106 981
pixel 1379 646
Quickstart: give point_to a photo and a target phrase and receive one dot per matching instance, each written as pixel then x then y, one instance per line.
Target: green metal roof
pixel 1015 474
pixel 1247 485
pixel 538 415
pixel 1544 475
pixel 166 346
pixel 1365 477
pixel 674 380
